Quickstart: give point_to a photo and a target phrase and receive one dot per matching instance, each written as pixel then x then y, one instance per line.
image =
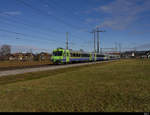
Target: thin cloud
pixel 12 13
pixel 120 14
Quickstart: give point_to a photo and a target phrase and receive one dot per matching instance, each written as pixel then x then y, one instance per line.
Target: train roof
pixel 81 52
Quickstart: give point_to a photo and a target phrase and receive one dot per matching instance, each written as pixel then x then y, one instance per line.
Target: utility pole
pixel 116 49
pixel 120 46
pixel 98 39
pixel 67 40
pixel 94 32
pixel 101 50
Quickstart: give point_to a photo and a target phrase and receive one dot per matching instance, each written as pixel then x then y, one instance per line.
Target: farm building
pixel 135 54
pixel 42 56
pixel 21 57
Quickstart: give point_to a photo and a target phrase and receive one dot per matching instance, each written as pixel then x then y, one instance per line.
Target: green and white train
pixel 62 56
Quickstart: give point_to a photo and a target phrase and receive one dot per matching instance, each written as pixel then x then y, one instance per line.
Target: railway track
pixel 42 68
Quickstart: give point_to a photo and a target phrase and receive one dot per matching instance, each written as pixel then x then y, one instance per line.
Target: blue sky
pixel 42 24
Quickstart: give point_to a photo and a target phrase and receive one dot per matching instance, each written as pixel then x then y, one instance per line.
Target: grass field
pixel 19 64
pixel 121 86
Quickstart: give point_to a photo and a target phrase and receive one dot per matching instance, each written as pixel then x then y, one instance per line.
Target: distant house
pixel 127 54
pixel 28 57
pixel 135 54
pixel 148 54
pixel 21 57
pixel 12 57
pixel 16 56
pixel 43 56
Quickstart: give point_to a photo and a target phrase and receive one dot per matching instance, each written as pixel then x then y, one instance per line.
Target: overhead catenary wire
pixel 27 25
pixel 41 12
pixel 27 35
pixel 67 13
pixel 32 26
pixel 55 40
pixel 8 24
pixel 23 22
pixel 27 48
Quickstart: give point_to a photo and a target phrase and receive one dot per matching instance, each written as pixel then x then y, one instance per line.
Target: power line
pixel 60 6
pixel 30 40
pixel 27 25
pixel 41 12
pixel 47 39
pixel 24 28
pixel 17 33
pixel 30 26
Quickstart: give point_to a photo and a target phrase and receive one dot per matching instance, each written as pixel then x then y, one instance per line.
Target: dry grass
pixel 121 86
pixel 19 64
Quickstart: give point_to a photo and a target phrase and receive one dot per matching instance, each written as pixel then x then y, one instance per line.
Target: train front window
pixel 58 53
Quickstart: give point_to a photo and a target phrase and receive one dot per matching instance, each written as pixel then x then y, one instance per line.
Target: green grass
pixel 121 86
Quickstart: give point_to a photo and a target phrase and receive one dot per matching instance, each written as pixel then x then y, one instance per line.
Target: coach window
pixel 76 55
pixel 73 55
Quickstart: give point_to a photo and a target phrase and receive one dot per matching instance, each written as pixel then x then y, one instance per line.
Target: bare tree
pixel 5 50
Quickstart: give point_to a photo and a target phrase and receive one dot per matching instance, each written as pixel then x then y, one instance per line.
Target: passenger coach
pixel 62 56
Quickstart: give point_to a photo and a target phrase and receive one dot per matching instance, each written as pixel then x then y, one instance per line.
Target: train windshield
pixel 58 53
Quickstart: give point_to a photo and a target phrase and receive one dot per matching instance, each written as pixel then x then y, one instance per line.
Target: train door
pixel 93 57
pixel 90 57
pixel 67 56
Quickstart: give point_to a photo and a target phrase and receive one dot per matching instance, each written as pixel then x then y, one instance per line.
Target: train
pixel 64 56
